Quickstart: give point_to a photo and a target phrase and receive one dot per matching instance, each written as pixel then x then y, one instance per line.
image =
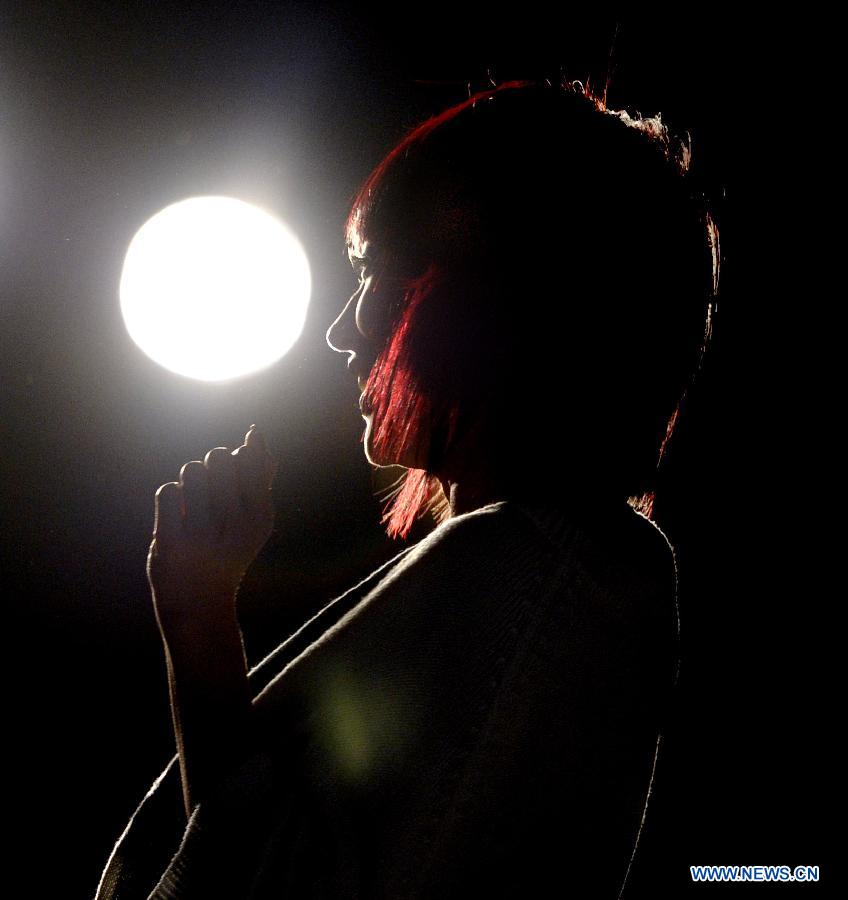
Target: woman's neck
pixel 471 477
pixel 478 485
pixel 464 497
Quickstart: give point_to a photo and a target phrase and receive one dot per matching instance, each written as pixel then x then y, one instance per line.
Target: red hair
pixel 417 394
pixel 400 405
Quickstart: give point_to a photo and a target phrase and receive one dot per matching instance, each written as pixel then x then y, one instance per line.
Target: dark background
pixel 109 112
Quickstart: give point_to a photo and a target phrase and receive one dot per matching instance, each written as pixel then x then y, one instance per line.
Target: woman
pixel 482 713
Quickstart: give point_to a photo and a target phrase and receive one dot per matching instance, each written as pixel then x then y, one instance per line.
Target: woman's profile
pixel 482 714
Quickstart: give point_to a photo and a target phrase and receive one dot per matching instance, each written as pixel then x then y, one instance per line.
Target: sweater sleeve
pixel 147 843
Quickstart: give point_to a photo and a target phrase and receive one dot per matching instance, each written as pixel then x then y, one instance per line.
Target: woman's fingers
pixel 255 438
pixel 210 525
pixel 195 488
pixel 217 491
pixel 255 468
pixel 168 512
pixel 251 478
pixel 223 486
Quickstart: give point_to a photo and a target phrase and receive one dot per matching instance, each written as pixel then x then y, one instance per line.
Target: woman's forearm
pixel 210 698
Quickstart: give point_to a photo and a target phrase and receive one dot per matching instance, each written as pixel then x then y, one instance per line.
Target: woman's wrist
pixel 200 623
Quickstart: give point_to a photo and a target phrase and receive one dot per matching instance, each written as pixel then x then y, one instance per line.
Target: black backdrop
pixel 108 112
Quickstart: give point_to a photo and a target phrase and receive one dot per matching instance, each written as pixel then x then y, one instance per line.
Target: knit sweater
pixel 480 716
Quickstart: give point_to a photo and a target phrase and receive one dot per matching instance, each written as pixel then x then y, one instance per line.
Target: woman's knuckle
pixel 167 489
pixel 217 457
pixel 191 470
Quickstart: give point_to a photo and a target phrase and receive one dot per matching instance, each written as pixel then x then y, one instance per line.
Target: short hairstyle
pixel 557 274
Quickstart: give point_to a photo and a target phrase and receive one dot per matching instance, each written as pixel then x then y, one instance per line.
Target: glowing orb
pixel 214 288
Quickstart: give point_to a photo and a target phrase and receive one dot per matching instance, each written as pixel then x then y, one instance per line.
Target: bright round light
pixel 214 288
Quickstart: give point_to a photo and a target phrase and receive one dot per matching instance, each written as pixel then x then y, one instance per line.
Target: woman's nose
pixel 342 334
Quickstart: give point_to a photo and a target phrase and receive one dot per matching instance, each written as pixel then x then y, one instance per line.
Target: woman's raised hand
pixel 209 527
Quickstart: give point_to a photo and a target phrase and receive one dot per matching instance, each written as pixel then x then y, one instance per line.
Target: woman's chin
pixel 367 440
pixel 408 459
pixel 371 453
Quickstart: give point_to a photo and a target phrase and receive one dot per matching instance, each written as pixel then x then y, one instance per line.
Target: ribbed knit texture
pixel 477 717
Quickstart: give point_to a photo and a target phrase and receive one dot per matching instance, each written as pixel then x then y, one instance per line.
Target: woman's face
pixel 361 330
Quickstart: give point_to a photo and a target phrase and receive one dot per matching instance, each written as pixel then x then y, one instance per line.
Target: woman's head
pixel 539 279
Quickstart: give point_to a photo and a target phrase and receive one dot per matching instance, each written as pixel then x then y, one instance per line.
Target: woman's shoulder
pixel 614 544
pixel 624 549
pixel 616 568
